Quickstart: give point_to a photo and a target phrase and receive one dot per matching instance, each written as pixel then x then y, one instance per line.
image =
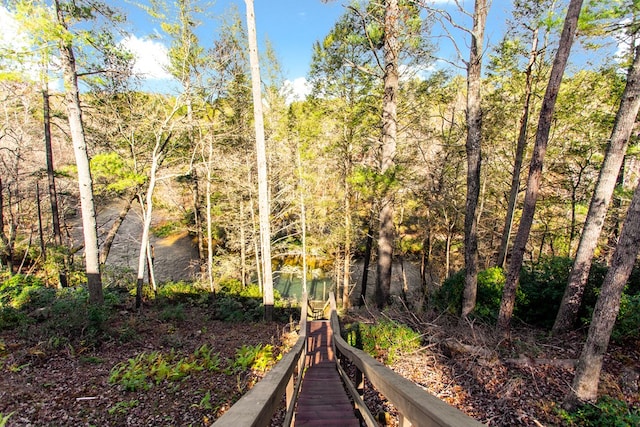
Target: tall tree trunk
pixel 209 165
pixel 263 187
pixel 386 230
pixel 53 194
pixel 6 256
pixel 243 245
pixel 521 145
pixel 197 216
pixel 303 221
pixel 147 211
pixel 585 382
pixel 474 157
pixel 346 273
pixel 85 183
pixel 625 118
pixel 43 248
pixel 535 169
pixel 365 268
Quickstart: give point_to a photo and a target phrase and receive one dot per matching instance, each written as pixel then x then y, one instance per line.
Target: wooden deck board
pixel 323 400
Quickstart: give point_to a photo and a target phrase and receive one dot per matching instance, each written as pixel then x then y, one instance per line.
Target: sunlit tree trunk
pixel 263 188
pixel 386 230
pixel 53 194
pixel 535 169
pixel 521 144
pixel 474 157
pixel 625 118
pixel 6 255
pixel 146 204
pixel 346 272
pixel 585 382
pixel 85 183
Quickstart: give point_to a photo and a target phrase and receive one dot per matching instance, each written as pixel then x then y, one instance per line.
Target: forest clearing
pixel 462 175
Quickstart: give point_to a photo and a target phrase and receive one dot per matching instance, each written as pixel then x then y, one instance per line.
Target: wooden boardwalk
pixel 323 401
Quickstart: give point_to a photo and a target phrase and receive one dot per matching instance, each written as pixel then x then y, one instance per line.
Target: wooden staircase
pixel 323 400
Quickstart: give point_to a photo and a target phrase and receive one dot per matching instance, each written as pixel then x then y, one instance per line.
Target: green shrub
pixel 628 322
pixel 607 412
pixel 21 291
pixel 490 285
pixel 11 318
pixel 146 369
pixel 181 291
pixel 386 340
pixel 175 312
pixel 256 357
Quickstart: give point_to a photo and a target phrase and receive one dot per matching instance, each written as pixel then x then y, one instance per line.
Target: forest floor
pixel 519 383
pixel 48 380
pixel 61 382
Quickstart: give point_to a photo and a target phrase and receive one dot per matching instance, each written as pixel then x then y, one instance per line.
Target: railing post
pixel 359 380
pixel 289 392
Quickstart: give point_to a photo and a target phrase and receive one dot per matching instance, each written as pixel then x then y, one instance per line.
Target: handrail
pixel 256 407
pixel 416 406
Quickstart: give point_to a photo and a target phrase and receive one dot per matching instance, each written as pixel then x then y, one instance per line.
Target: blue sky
pixel 292 26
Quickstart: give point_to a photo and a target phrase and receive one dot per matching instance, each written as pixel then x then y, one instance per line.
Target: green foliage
pixel 386 340
pixel 147 369
pixel 628 321
pixel 175 312
pixel 113 174
pixel 544 283
pixel 168 228
pixel 11 318
pixel 257 357
pixel 490 284
pixel 23 292
pixel 607 412
pixel 123 407
pixel 235 303
pixel 181 291
pixel 4 419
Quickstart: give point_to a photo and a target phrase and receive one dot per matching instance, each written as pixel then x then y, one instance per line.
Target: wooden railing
pixel 415 405
pixel 257 406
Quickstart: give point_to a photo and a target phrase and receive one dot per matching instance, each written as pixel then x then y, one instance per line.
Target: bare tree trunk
pixel 585 382
pixel 346 276
pixel 474 157
pixel 43 249
pixel 521 144
pixel 243 245
pixel 535 169
pixel 386 230
pixel 53 194
pixel 365 267
pixel 303 223
pixel 85 183
pixel 197 216
pixel 147 210
pixel 6 254
pixel 209 164
pixel 629 106
pixel 263 187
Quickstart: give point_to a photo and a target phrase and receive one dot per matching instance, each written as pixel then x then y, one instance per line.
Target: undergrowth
pixel 386 340
pixel 606 412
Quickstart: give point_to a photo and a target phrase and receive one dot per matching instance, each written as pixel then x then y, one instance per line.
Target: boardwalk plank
pixel 323 400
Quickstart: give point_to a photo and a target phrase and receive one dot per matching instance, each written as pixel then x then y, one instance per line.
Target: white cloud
pixel 9 35
pixel 151 58
pixel 297 90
